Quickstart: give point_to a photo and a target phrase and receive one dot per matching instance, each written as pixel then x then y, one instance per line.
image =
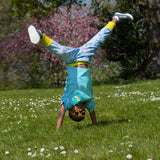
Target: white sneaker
pixel 33 35
pixel 123 16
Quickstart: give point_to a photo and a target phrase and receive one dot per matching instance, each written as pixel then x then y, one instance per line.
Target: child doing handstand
pixel 78 93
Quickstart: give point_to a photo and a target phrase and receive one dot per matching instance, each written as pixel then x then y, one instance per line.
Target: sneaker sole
pixel 127 14
pixel 33 35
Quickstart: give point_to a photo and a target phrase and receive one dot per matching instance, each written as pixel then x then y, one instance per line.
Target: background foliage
pixel 124 55
pixel 8 22
pixel 129 42
pixel 34 65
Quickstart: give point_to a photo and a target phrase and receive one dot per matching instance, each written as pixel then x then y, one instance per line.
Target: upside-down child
pixel 78 93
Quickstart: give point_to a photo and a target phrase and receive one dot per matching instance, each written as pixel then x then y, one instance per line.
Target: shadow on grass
pixel 102 123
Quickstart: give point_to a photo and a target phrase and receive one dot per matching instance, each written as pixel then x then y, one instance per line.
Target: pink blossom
pixel 72 28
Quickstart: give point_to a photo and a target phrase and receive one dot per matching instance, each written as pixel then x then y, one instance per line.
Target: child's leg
pixel 88 49
pixel 67 54
pixel 101 36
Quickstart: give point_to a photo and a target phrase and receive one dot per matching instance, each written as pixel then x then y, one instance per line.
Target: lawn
pixel 128 125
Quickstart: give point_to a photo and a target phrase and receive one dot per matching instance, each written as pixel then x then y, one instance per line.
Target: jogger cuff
pixel 111 25
pixel 46 40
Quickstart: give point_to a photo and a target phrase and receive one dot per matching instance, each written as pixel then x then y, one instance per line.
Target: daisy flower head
pixel 56 148
pixel 63 152
pixel 75 151
pixel 6 152
pixel 42 149
pixel 129 156
pixel 61 147
pixel 29 153
pixel 29 149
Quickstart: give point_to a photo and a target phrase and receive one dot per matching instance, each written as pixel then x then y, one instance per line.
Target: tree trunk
pixel 151 13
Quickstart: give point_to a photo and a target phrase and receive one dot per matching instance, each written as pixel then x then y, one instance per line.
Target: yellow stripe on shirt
pixel 77 63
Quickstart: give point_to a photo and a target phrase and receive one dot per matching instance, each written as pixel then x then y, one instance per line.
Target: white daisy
pixel 63 152
pixel 56 148
pixel 29 153
pixel 6 152
pixel 61 147
pixel 34 154
pixel 42 149
pixel 75 151
pixel 29 149
pixel 129 156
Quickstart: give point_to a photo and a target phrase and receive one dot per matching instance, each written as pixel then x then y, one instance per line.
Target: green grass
pixel 128 123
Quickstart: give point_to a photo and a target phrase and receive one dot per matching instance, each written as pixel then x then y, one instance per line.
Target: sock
pixel 46 40
pixel 111 25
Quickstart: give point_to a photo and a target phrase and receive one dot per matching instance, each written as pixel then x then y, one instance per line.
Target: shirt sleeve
pixel 90 106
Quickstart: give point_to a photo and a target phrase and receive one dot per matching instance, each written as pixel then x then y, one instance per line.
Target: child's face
pixel 78 107
pixel 77 112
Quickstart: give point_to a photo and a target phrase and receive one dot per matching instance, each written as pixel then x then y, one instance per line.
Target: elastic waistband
pixel 77 63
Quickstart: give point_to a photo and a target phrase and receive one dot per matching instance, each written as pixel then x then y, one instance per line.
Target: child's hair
pixel 75 118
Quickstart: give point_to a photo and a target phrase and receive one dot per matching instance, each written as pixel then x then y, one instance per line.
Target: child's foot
pixel 123 16
pixel 34 34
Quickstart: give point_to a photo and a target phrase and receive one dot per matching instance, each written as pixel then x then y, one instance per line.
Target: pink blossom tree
pixel 35 62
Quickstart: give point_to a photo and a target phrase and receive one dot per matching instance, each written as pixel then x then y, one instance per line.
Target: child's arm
pixel 93 117
pixel 60 117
